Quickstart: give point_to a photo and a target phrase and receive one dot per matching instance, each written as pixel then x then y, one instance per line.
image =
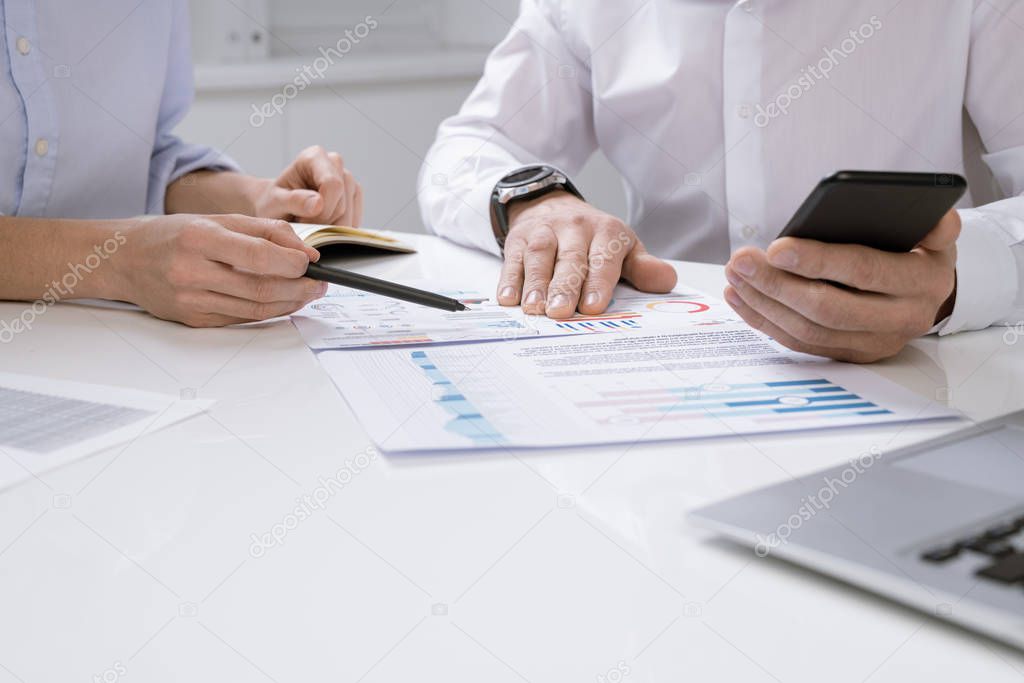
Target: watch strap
pixel 499 210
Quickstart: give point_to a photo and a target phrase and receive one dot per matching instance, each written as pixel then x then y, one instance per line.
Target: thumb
pixel 298 203
pixel 944 235
pixel 648 273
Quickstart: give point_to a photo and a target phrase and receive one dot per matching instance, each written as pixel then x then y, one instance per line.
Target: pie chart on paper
pixel 678 306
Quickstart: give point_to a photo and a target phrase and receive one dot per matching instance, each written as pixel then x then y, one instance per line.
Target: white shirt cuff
pixel 986 274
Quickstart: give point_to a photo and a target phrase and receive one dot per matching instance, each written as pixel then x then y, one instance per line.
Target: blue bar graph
pixel 598 325
pixel 466 419
pixel 759 401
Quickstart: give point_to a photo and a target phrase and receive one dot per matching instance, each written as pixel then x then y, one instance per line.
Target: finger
pixel 512 271
pixel 944 235
pixel 245 310
pixel 298 203
pixel 276 231
pixel 262 288
pixel 357 211
pixel 193 319
pixel 796 325
pixel 336 215
pixel 538 267
pixel 320 173
pixel 825 304
pixel 604 268
pixel 332 173
pixel 345 217
pixel 864 268
pixel 647 273
pixel 569 275
pixel 759 322
pixel 256 254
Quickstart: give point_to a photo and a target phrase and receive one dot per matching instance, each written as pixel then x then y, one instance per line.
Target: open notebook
pixel 318 236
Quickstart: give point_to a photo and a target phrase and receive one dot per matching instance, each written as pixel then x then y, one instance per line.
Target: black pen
pixel 392 290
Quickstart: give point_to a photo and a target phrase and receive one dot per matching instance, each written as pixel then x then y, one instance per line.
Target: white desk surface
pixel 560 566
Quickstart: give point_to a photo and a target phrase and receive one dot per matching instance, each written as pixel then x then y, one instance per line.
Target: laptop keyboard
pixel 1002 543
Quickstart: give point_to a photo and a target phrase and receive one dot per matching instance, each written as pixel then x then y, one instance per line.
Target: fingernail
pixel 732 277
pixel 323 288
pixel 558 301
pixel 311 202
pixel 786 258
pixel 509 293
pixel 592 299
pixel 744 266
pixel 534 298
pixel 733 298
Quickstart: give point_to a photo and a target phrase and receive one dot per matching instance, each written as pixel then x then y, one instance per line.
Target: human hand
pixel 315 188
pixel 209 271
pixel 895 297
pixel 562 254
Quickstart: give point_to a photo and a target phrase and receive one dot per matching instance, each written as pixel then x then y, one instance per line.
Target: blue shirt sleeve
pixel 172 157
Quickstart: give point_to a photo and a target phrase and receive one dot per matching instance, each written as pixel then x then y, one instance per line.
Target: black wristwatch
pixel 526 183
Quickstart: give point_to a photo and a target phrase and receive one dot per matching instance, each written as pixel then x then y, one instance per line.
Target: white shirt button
pixel 744 111
pixel 42 147
pixel 24 47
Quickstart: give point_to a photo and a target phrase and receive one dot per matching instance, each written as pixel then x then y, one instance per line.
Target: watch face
pixel 526 176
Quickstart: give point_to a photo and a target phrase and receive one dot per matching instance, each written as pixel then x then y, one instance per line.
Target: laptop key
pixel 1002 530
pixel 994 548
pixel 942 553
pixel 1007 569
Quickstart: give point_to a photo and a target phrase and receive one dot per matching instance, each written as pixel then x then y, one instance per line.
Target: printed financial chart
pixel 579 390
pixel 350 318
pixel 637 311
pixel 644 408
pixel 347 318
pixel 42 423
pixel 462 416
pixel 766 402
pixel 652 404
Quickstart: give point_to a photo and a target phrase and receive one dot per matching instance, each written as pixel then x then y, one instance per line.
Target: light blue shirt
pixel 90 93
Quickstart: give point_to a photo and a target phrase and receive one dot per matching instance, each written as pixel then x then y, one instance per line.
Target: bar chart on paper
pixel 604 389
pixel 346 318
pixel 464 419
pixel 769 402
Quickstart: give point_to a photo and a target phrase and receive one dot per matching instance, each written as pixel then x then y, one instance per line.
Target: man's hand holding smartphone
pixel 888 300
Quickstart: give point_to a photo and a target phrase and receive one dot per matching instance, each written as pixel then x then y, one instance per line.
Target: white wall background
pixel 379 106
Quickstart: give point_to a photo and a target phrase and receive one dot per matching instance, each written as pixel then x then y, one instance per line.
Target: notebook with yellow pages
pixel 318 236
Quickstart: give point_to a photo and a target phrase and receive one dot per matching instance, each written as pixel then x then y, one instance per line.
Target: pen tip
pixel 462 307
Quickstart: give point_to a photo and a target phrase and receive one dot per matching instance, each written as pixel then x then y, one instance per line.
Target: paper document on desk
pixel 45 423
pixel 623 388
pixel 347 318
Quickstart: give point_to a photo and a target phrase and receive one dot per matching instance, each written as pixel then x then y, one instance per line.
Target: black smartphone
pixel 884 210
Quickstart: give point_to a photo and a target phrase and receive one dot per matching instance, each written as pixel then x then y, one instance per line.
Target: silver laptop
pixel 938 525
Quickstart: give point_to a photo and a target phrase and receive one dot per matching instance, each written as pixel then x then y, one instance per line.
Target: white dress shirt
pixel 721 116
pixel 89 96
